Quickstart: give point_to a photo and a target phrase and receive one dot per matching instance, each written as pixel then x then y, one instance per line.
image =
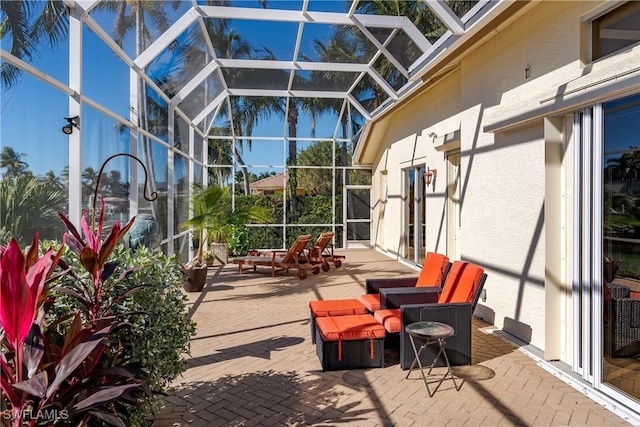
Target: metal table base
pixel 431 333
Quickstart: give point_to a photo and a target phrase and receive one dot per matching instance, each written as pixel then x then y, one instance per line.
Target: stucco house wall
pixel 408 144
pixel 499 112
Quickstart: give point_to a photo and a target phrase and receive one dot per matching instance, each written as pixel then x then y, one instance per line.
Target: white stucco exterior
pixel 499 110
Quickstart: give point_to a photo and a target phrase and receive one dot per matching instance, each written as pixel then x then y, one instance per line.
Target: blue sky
pixel 33 112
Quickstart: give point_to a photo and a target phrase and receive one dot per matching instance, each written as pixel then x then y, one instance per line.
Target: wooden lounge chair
pixel 322 252
pixel 279 260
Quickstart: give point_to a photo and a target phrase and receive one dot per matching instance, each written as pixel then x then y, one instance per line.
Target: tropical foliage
pixel 212 212
pixel 95 345
pixel 29 24
pixel 28 203
pixel 154 329
pixel 67 376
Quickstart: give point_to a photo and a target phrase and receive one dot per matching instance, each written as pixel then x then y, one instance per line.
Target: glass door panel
pixel 621 245
pixel 358 213
pixel 414 247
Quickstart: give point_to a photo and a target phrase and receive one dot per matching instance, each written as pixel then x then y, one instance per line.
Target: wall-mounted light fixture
pixel 72 122
pixel 430 175
pixel 527 72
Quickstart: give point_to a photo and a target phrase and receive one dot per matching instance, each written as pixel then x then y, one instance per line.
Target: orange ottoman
pixel 335 307
pixel 349 342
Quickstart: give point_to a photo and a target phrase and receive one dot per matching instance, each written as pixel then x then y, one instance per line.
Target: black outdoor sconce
pixel 72 122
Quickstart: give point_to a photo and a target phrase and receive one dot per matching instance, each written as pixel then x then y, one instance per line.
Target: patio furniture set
pixel 435 307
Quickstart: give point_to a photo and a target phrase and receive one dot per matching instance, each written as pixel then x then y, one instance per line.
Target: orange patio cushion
pixel 433 269
pixel 462 283
pixel 350 328
pixel 336 307
pixel 634 295
pixel 390 319
pixel 347 328
pixel 371 301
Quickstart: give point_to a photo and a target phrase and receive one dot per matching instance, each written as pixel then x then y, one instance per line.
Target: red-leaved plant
pixel 56 373
pixel 94 254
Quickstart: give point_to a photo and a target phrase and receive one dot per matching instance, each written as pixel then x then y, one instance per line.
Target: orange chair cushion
pixel 462 283
pixel 433 270
pixel 371 301
pixel 348 328
pixel 634 295
pixel 390 319
pixel 336 307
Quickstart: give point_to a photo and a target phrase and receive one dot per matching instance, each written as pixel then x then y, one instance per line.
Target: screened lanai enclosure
pixel 265 98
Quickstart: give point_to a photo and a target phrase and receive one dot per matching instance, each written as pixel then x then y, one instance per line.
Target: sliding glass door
pixel 621 244
pixel 607 235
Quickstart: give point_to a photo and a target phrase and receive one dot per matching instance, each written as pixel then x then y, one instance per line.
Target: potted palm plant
pixel 212 215
pixel 209 258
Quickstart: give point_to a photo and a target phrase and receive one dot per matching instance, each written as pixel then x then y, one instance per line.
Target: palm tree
pixel 210 211
pixel 51 178
pixel 64 176
pixel 28 203
pixel 344 47
pixel 12 162
pixel 89 180
pixel 114 184
pixel 219 153
pixel 230 44
pixel 626 167
pixel 27 32
pixel 226 43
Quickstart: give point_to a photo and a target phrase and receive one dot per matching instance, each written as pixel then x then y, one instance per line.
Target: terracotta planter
pixel 196 279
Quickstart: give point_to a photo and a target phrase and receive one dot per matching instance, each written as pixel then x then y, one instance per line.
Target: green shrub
pixel 159 336
pixel 239 241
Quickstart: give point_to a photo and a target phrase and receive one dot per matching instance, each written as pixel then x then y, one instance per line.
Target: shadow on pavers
pixel 282 398
pixel 261 349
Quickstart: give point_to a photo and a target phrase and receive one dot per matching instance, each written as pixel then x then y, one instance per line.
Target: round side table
pixel 430 333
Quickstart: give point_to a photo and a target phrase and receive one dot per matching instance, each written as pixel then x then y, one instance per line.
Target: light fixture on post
pixel 72 122
pixel 430 175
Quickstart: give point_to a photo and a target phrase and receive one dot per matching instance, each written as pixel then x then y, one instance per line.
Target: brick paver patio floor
pixel 252 363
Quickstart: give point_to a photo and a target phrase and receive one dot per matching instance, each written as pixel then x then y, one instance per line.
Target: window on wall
pixel 616 30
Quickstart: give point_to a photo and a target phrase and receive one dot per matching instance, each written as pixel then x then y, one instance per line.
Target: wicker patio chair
pixel 434 270
pixel 282 260
pixel 623 322
pixel 453 306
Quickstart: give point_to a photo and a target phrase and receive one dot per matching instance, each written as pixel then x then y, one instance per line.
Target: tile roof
pixel 271 183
